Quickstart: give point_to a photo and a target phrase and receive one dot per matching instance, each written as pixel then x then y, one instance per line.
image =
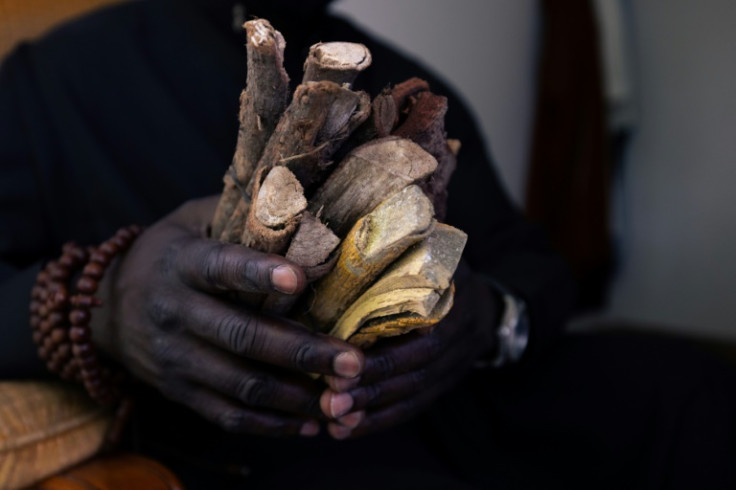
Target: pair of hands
pixel 171 320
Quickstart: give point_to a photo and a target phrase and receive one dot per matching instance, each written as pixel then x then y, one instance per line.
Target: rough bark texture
pixel 320 116
pixel 410 289
pixel 336 62
pixel 274 214
pixel 424 124
pixel 372 244
pixel 313 249
pixel 383 118
pixel 261 105
pixel 367 176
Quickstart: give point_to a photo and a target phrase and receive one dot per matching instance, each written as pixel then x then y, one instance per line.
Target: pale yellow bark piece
pixel 372 244
pixel 413 284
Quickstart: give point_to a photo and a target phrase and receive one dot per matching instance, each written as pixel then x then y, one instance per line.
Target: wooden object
pixel 312 249
pixel 261 105
pixel 368 175
pixel 424 124
pixel 274 214
pixel 320 116
pixel 46 427
pixel 372 244
pixel 408 294
pixel 337 62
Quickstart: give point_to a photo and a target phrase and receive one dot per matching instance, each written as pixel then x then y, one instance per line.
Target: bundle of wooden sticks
pixel 347 188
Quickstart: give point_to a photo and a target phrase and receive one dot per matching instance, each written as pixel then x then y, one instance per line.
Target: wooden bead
pixel 91 373
pixel 46 326
pixel 37 337
pixel 55 318
pixel 94 270
pixel 35 322
pixel 85 301
pixel 48 344
pixel 80 316
pixel 79 334
pixel 83 350
pixel 36 292
pixel 88 363
pixel 109 248
pixel 53 366
pixel 42 352
pixel 87 285
pixel 58 273
pixel 100 257
pixel 58 335
pixel 65 350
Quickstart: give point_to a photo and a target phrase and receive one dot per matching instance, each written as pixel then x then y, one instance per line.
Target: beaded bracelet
pixel 99 381
pixel 60 320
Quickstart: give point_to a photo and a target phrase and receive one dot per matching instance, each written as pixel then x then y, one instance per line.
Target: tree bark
pixel 274 214
pixel 372 244
pixel 337 62
pixel 368 175
pixel 408 294
pixel 261 105
pixel 320 116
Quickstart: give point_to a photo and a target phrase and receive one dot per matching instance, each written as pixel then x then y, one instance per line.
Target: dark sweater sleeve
pixel 22 231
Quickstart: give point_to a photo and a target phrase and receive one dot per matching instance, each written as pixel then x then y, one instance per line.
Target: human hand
pixel 403 375
pixel 171 320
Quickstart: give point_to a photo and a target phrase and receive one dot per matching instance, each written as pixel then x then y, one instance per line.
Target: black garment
pixel 122 116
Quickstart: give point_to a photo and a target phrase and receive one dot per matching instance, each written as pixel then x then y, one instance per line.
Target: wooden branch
pixel 274 214
pixel 406 89
pixel 261 105
pixel 337 62
pixel 320 116
pixel 372 244
pixel 312 248
pixel 380 123
pixel 410 289
pixel 424 124
pixel 368 175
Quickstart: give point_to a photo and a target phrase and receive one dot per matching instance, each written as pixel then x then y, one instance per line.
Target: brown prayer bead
pixel 87 285
pixel 80 316
pixel 37 337
pixel 100 257
pixel 94 270
pixel 83 350
pixel 58 335
pixel 109 248
pixel 79 334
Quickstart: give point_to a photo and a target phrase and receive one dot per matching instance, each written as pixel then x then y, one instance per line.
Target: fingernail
pixel 351 420
pixel 309 429
pixel 342 384
pixel 338 431
pixel 284 279
pixel 340 404
pixel 347 365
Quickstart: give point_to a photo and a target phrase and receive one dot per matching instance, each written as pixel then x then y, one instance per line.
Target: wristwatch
pixel 513 331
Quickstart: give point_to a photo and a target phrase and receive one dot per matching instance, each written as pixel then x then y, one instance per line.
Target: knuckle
pixel 238 333
pixel 255 390
pixel 162 313
pixel 385 365
pixel 213 265
pixel 303 356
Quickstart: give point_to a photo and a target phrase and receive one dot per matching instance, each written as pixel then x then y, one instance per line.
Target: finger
pixel 272 340
pixel 234 417
pixel 439 374
pixel 212 266
pixel 383 418
pixel 251 383
pixel 402 355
